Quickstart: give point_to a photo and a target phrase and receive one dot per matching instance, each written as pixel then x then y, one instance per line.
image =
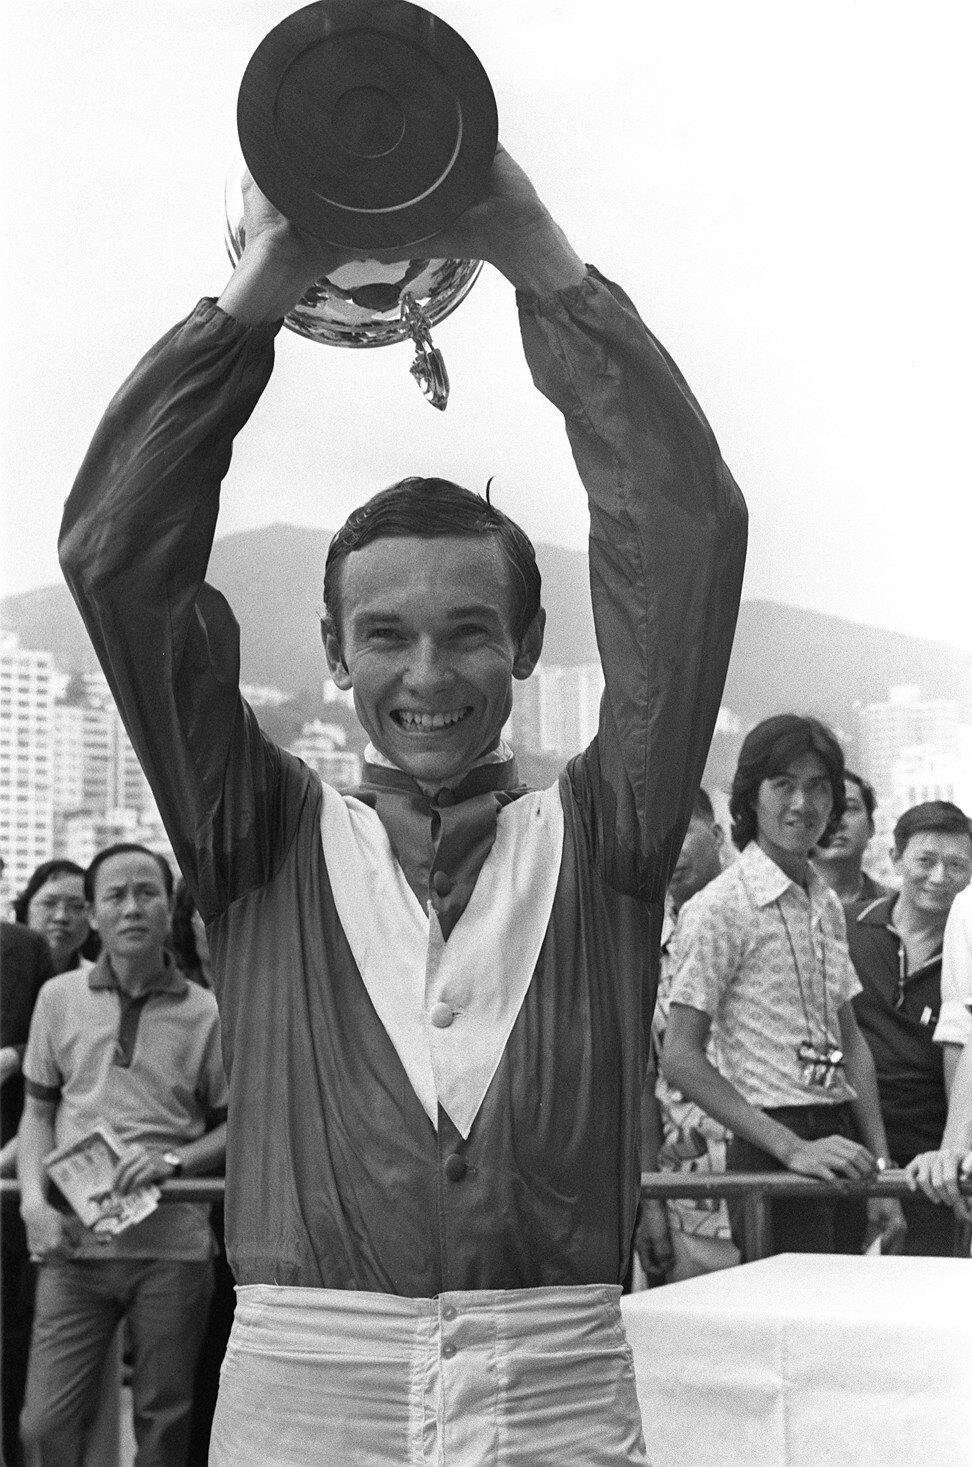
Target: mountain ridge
pixel 784 657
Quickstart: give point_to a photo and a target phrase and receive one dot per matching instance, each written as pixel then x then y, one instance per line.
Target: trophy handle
pixel 428 368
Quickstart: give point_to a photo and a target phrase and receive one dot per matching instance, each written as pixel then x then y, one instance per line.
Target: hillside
pixel 272 578
pixel 784 657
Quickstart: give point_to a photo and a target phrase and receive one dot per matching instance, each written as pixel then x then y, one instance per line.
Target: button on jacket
pixel 337 1175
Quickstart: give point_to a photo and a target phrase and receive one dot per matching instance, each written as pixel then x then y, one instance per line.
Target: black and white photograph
pixel 486 733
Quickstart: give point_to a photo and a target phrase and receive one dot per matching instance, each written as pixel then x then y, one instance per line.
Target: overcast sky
pixel 782 189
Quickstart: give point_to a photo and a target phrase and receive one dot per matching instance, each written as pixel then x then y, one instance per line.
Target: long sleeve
pixel 667 550
pixel 135 542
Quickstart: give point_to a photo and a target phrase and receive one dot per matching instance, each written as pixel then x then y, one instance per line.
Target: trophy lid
pixel 369 123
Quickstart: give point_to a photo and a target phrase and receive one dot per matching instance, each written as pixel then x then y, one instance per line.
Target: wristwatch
pixel 174 1160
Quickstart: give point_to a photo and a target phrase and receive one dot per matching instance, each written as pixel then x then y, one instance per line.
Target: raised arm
pixel 667 549
pixel 135 542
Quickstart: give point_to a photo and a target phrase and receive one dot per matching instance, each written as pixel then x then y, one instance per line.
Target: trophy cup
pixel 370 124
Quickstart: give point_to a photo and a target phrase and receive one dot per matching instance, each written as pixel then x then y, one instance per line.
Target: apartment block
pixel 907 743
pixel 322 746
pixel 556 710
pixel 26 789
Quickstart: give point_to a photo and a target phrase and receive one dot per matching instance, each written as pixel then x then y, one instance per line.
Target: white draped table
pixel 808 1360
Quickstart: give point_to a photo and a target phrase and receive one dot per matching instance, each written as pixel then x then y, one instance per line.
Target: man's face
pixel 131 908
pixel 854 831
pixel 793 807
pixel 934 867
pixel 698 861
pixel 427 649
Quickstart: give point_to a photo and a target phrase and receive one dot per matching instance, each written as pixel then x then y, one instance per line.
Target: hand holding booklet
pixel 84 1171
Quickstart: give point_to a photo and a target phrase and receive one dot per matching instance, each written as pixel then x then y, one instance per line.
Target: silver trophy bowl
pixel 367 303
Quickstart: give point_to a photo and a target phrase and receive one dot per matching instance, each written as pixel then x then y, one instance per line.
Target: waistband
pixel 353 1320
pixel 515 1378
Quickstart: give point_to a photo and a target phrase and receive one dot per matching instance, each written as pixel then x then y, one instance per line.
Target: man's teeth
pixel 408 719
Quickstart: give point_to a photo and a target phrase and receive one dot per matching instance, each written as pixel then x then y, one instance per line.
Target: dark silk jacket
pixel 336 1176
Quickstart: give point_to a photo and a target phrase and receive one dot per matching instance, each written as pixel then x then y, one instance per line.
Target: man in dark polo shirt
pixel 896 947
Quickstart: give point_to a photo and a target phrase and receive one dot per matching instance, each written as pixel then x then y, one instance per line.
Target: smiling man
pixel 429 644
pixel 760 959
pixel 896 945
pixel 435 988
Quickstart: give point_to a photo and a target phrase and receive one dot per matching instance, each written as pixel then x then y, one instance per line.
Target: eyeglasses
pixel 71 906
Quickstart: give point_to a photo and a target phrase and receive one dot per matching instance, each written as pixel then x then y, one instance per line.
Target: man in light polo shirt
pixel 132 1043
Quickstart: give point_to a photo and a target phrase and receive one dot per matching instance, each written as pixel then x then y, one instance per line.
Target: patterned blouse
pixel 768 961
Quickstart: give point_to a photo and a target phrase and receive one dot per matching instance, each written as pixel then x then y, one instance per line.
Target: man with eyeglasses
pixel 896 946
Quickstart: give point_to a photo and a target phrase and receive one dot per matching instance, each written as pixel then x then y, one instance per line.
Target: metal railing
pixel 755 1188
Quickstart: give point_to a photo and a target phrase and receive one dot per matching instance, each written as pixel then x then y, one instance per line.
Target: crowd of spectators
pixel 808 1019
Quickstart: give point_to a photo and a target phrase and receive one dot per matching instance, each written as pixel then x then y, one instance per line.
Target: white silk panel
pixel 482 972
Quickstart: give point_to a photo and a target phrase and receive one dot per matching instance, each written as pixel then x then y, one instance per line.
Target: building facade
pixel 905 721
pixel 322 746
pixel 27 683
pixel 555 710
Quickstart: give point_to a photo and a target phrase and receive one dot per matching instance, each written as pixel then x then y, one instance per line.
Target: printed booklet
pixel 84 1169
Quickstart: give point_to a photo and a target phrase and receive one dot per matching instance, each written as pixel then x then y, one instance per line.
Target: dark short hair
pixel 766 751
pixel 938 816
pixel 126 848
pixel 45 872
pixel 702 808
pixel 435 509
pixel 867 792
